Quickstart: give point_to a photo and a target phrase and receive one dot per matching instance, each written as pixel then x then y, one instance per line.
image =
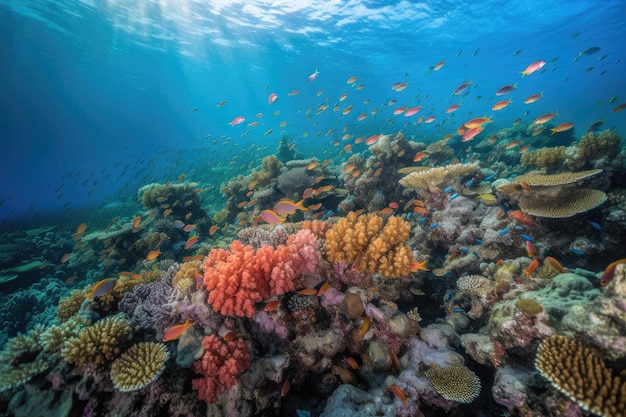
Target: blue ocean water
pixel 101 97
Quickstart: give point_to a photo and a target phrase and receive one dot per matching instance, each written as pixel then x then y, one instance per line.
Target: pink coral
pixel 221 365
pixel 240 278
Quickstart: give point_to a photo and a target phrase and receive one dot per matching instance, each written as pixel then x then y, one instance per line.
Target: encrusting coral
pixel 454 382
pixel 371 244
pixel 239 278
pixel 97 344
pixel 139 366
pixel 579 373
pixel 221 365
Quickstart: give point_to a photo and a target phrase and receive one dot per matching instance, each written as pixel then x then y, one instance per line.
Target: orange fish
pixel 66 257
pixel 81 229
pixel 352 79
pixel 562 127
pixel 102 287
pixel 272 305
pixel 525 185
pixel 477 122
pixel 372 139
pixel 271 217
pixel 538 131
pixel 167 212
pixel 285 389
pixel 418 266
pixel 419 156
pixel 152 255
pixel 307 193
pixel 439 65
pixel 311 166
pixel 453 108
pixel 136 224
pixel 386 210
pixel 284 207
pixel 532 98
pixel 555 264
pixel 609 272
pixel 181 177
pixel 212 230
pixel 531 268
pixel 522 218
pixel 191 241
pixel 399 393
pixel 189 227
pixel 307 291
pixel 323 288
pixel 352 362
pixel 544 118
pixel 358 334
pixel 176 331
pixel 230 336
pixel 513 144
pixel 501 104
pixel 315 207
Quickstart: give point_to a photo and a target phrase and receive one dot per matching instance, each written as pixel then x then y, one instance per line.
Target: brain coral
pixel 371 244
pixel 455 382
pixel 579 373
pixel 140 365
pixel 99 343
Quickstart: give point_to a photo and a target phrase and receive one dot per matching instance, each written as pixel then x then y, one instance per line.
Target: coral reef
pixel 577 372
pixel 138 366
pixel 239 278
pixel 98 344
pixel 371 244
pixel 455 382
pixel 221 366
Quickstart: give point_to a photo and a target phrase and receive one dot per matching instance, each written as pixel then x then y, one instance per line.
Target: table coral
pixel 221 366
pixel 579 373
pixel 99 343
pixel 139 366
pixel 371 244
pixel 239 278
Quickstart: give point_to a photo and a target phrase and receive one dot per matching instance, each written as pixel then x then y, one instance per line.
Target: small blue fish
pixel 458 310
pixel 479 241
pixel 489 177
pixel 518 227
pixel 526 237
pixel 422 220
pixel 576 251
pixel 448 296
pixel 594 225
pixel 447 189
pixel 469 183
pixel 453 196
pixel 432 226
pixel 463 249
pixel 476 254
pixel 504 231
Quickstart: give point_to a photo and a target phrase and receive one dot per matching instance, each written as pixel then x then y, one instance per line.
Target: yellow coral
pixel 433 177
pixel 22 359
pixel 455 382
pixel 579 373
pixel 68 306
pixel 140 365
pixel 99 343
pixel 528 306
pixel 593 146
pixel 185 278
pixel 371 244
pixel 548 158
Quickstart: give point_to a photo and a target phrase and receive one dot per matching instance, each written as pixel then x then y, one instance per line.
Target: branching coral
pixel 185 278
pixel 549 158
pixel 371 244
pixel 239 278
pixel 139 366
pixel 579 373
pixel 454 382
pixel 99 343
pixel 69 306
pixel 593 146
pixel 221 365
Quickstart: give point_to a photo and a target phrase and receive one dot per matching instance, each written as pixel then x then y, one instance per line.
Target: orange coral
pixel 372 245
pixel 318 227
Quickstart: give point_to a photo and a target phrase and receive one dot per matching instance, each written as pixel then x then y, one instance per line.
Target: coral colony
pixel 395 282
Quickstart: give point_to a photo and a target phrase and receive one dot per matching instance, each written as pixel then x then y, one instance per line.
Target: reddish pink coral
pixel 240 278
pixel 221 365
